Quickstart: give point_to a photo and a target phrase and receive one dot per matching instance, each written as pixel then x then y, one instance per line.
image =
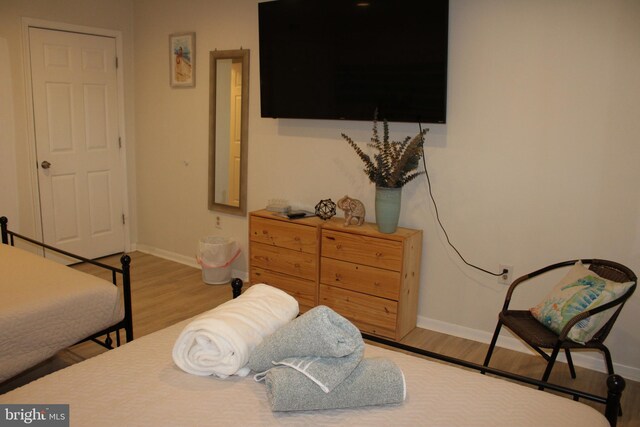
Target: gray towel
pixel 320 344
pixel 375 381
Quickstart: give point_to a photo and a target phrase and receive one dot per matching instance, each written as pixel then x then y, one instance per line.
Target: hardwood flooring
pixel 530 365
pixel 165 292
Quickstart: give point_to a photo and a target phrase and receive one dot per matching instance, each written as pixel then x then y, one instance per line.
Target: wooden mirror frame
pixel 242 54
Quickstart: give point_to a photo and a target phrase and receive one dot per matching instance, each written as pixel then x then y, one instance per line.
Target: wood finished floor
pixel 165 292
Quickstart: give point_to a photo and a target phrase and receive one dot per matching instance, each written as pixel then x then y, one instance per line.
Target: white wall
pixel 8 170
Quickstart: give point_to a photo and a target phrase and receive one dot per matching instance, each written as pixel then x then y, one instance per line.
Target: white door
pixel 80 175
pixel 236 133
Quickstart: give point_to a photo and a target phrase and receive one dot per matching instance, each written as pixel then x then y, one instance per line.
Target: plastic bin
pixel 215 256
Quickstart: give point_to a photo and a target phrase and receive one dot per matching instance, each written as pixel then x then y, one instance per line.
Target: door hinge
pixel 116 62
pixel 119 142
pixel 123 219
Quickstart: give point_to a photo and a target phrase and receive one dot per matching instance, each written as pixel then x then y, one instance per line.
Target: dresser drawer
pixel 287 261
pixel 375 252
pixel 283 234
pixel 370 314
pixel 360 278
pixel 302 290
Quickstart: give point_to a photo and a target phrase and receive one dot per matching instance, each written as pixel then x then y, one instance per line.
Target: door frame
pixel 31 137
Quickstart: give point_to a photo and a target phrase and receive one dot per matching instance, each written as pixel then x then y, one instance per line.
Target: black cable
pixel 435 206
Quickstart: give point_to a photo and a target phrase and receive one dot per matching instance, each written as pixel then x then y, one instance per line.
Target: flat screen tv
pixel 345 59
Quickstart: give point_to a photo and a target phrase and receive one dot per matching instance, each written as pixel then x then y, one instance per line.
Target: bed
pixel 139 384
pixel 47 306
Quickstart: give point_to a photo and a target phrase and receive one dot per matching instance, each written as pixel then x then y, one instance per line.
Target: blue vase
pixel 388 202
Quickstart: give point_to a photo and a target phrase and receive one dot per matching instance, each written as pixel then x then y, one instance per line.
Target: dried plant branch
pixel 395 163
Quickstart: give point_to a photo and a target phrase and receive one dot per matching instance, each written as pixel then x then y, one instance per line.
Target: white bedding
pixel 139 385
pixel 46 306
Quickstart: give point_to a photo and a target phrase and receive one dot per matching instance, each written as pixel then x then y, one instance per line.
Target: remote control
pixel 295 215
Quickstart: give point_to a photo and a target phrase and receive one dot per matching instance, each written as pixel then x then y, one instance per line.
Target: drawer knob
pixel 378 254
pixel 338 277
pixel 338 246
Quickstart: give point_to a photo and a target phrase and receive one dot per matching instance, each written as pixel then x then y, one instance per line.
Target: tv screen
pixel 345 59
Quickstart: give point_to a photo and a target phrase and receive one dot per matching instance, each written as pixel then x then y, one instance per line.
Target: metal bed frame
pixel 8 238
pixel 615 383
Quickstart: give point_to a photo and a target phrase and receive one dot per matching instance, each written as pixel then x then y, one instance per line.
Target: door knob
pixel 45 165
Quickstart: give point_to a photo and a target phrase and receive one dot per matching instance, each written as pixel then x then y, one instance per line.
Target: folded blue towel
pixel 320 344
pixel 375 381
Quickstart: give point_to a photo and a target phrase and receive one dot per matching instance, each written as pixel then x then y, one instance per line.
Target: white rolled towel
pixel 219 341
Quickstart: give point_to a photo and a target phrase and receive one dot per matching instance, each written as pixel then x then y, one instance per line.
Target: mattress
pixel 46 306
pixel 139 385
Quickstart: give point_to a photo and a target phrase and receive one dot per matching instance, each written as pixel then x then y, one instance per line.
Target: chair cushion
pixel 581 289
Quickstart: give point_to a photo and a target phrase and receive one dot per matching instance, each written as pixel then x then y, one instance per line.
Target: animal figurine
pixel 352 208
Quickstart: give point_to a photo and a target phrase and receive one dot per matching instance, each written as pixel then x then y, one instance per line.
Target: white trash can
pixel 215 256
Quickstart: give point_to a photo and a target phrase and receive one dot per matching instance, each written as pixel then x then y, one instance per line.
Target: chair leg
pixel 492 346
pixel 572 370
pixel 552 360
pixel 607 358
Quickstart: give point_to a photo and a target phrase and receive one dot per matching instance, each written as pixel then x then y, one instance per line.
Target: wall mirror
pixel 228 130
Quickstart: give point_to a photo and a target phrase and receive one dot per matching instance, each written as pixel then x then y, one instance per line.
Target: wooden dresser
pixel 369 277
pixel 284 253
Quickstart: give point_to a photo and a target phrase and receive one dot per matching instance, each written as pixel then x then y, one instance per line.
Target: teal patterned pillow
pixel 581 289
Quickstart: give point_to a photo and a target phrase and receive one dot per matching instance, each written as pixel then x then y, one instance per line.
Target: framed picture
pixel 182 63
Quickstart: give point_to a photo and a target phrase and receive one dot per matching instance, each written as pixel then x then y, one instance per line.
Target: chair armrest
pixel 588 313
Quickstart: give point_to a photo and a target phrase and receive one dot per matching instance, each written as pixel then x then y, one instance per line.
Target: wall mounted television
pixel 343 59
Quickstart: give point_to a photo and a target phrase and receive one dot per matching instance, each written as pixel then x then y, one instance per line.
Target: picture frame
pixel 182 60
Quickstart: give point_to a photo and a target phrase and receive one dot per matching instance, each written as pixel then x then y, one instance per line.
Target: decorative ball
pixel 325 209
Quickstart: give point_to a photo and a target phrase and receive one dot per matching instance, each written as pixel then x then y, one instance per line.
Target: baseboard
pixel 182 259
pixel 509 341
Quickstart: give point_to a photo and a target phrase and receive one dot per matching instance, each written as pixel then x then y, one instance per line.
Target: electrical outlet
pixel 218 225
pixel 505 277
